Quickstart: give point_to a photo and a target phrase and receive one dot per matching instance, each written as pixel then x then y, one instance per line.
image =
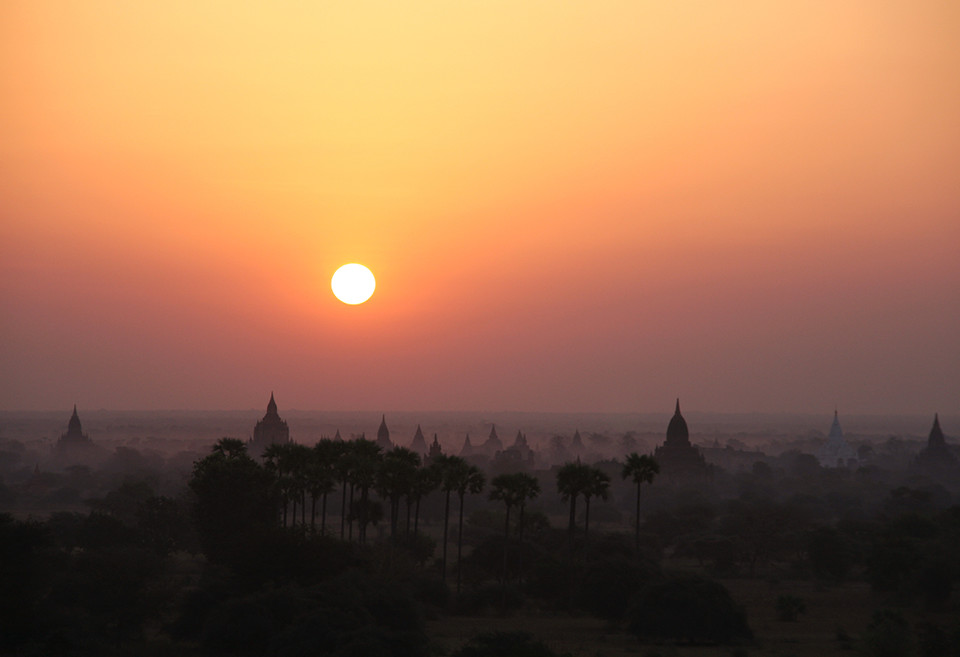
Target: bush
pixel 692 609
pixel 789 607
pixel 888 635
pixel 505 644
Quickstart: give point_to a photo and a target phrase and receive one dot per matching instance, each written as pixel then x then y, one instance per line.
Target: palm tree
pixel 426 480
pixel 299 460
pixel 513 490
pixel 272 457
pixel 472 481
pixel 363 478
pixel 572 478
pixel 642 469
pixel 598 485
pixel 322 482
pixel 450 469
pixel 395 479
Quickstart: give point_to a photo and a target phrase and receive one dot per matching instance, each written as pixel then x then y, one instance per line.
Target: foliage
pixel 887 635
pixel 789 607
pixel 504 644
pixel 690 609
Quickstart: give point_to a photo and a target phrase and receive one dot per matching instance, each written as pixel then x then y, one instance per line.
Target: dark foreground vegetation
pixel 342 550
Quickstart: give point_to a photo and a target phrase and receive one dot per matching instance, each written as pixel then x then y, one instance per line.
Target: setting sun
pixel 353 284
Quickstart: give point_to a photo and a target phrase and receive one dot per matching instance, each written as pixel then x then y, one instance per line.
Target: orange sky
pixel 568 206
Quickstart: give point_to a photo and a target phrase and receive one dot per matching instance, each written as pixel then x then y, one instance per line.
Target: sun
pixel 353 283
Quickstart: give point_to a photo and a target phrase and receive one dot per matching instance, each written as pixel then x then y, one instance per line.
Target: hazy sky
pixel 602 206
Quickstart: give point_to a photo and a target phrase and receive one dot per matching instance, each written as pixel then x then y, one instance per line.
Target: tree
pixel 395 479
pixel 426 480
pixel 642 469
pixel 451 469
pixel 321 477
pixel 572 478
pixel 235 501
pixel 597 485
pixel 693 609
pixel 513 490
pixel 366 464
pixel 472 481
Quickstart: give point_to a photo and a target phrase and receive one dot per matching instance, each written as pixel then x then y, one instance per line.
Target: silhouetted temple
pixel 518 455
pixel 435 449
pixel 419 444
pixel 492 445
pixel 271 429
pixel 936 455
pixel 467 449
pixel 383 435
pixel 74 437
pixel 677 457
pixel 577 444
pixel 836 452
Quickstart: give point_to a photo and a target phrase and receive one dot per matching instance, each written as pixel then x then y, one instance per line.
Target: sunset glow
pixel 586 206
pixel 353 284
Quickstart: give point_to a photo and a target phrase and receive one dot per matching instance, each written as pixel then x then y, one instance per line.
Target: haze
pixel 567 207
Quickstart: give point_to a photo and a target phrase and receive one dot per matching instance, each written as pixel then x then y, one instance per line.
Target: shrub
pixel 693 609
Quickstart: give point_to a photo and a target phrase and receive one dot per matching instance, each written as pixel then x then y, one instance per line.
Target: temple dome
pixel 677 429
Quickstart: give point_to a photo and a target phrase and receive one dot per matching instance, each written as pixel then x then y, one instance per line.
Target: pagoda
pixel 836 452
pixel 936 455
pixel 419 444
pixel 383 435
pixel 677 457
pixel 269 431
pixel 74 437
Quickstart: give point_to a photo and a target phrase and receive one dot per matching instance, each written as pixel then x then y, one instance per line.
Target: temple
pixel 492 445
pixel 677 457
pixel 383 435
pixel 74 437
pixel 936 455
pixel 467 449
pixel 419 444
pixel 271 429
pixel 518 455
pixel 836 452
pixel 435 449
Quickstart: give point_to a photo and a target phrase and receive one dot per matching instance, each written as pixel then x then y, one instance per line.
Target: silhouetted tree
pixel 597 485
pixel 513 490
pixel 642 469
pixel 471 480
pixel 572 479
pixel 395 479
pixel 235 501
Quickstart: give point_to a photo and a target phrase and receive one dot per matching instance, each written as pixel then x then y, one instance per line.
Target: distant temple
pixel 74 437
pixel 936 455
pixel 518 455
pixel 419 444
pixel 271 429
pixel 677 457
pixel 492 445
pixel 836 452
pixel 383 435
pixel 577 444
pixel 435 449
pixel 467 449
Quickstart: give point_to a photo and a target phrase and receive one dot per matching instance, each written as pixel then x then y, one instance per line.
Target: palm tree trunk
pixel 343 507
pixel 446 522
pixel 459 542
pixel 637 525
pixel 406 531
pixel 506 541
pixel 573 517
pixel 586 521
pixel 350 519
pixel 323 516
pixel 303 509
pixel 416 517
pixel 520 548
pixel 313 514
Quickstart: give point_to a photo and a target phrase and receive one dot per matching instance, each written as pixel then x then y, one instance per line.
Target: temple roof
pixel 271 405
pixel 73 427
pixel 836 433
pixel 936 433
pixel 677 429
pixel 383 432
